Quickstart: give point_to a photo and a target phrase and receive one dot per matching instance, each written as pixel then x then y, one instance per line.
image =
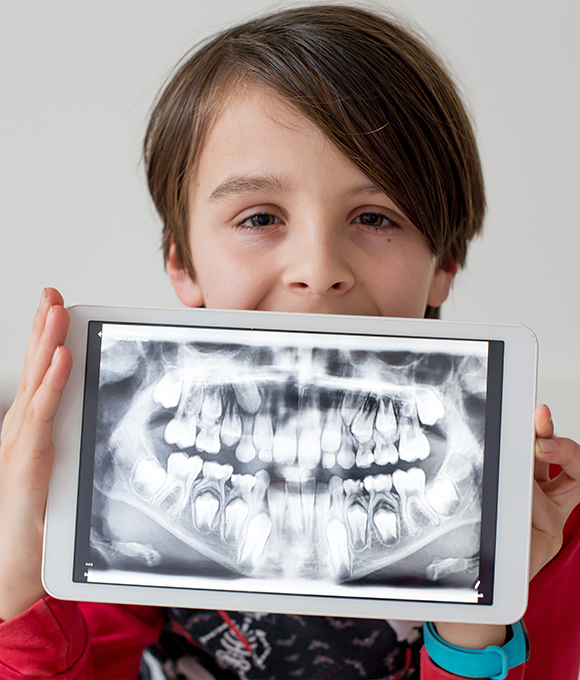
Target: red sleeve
pixel 77 641
pixel 552 618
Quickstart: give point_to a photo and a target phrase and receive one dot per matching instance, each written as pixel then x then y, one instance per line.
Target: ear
pixel 188 291
pixel 442 280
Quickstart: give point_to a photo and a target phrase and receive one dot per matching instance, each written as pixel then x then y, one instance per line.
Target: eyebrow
pixel 369 189
pixel 238 185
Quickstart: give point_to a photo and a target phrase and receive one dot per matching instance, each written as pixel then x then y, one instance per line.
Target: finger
pixel 543 422
pixel 53 335
pixel 564 490
pixel 49 297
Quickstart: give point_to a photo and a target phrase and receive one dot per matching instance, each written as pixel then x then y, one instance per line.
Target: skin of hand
pixel 26 454
pixel 553 501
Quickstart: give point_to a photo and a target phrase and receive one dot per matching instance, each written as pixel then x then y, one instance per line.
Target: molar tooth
pixel 148 477
pixel 285 443
pixel 356 517
pixel 231 429
pixel 410 486
pixel 248 396
pixel 364 458
pixel 309 440
pixel 386 423
pixel 442 496
pixel 243 483
pixel 363 423
pixel 385 452
pixel 181 473
pixel 217 471
pixel 208 438
pixel 430 408
pixel 331 432
pixel 257 535
pixel 235 513
pixel 337 538
pixel 385 523
pixel 206 505
pixel 413 444
pixel 168 390
pixel 181 431
pixel 263 436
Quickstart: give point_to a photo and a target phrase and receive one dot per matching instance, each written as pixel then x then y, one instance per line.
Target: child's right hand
pixel 26 454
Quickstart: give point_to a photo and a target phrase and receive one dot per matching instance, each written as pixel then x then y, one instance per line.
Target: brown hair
pixel 371 86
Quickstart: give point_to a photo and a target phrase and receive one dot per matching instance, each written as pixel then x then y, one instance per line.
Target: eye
pixel 258 221
pixel 376 221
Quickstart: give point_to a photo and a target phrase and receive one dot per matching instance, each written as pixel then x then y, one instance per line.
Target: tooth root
pixel 206 506
pixel 386 423
pixel 257 536
pixel 357 523
pixel 364 458
pixel 430 408
pixel 148 477
pixel 248 396
pixel 332 432
pixel 363 424
pixel 385 523
pixel 442 496
pixel 211 408
pixel 208 439
pixel 231 429
pixel 235 513
pixel 180 431
pixel 385 453
pixel 337 538
pixel 410 486
pixel 308 499
pixel 284 444
pixel 413 444
pixel 168 390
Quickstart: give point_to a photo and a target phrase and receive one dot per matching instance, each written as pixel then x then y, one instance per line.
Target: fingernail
pixel 55 355
pixel 43 297
pixel 547 445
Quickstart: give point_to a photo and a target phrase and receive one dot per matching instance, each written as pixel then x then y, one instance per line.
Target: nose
pixel 319 265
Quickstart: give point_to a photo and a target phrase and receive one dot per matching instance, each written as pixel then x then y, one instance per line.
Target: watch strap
pixel 492 662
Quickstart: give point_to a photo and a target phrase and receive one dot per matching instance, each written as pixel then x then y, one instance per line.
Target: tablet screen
pixel 290 462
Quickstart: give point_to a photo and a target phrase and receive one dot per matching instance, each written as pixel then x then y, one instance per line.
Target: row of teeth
pixel 351 434
pixel 246 511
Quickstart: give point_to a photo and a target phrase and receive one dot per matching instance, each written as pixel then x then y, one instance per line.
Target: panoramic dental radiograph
pixel 284 457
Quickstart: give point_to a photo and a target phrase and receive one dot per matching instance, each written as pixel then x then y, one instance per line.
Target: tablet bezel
pixel 514 490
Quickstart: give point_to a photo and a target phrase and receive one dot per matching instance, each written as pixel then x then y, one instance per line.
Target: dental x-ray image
pixel 286 460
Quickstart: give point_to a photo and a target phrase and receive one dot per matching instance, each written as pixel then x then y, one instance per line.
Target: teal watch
pixel 492 662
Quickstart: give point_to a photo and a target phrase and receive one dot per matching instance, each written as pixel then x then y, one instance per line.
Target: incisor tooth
pixel 332 432
pixel 263 436
pixel 430 408
pixel 231 428
pixel 207 507
pixel 236 513
pixel 257 535
pixel 285 443
pixel 309 441
pixel 248 396
pixel 212 407
pixel 356 517
pixel 337 538
pixel 245 451
pixel 413 444
pixel 386 423
pixel 168 390
pixel 363 423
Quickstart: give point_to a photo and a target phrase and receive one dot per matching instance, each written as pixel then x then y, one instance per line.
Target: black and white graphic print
pixel 288 460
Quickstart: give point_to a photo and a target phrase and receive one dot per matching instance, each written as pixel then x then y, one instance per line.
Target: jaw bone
pixel 410 486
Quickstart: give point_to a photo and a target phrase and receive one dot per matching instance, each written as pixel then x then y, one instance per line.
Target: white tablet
pixel 312 464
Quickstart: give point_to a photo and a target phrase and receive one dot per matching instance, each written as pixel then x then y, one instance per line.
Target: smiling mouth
pixel 304 463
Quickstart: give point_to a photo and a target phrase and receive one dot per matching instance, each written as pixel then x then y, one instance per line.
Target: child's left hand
pixel 554 499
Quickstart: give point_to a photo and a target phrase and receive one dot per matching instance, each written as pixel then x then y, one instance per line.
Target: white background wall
pixel 76 83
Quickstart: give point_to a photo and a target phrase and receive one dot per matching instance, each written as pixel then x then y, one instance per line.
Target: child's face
pixel 281 220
